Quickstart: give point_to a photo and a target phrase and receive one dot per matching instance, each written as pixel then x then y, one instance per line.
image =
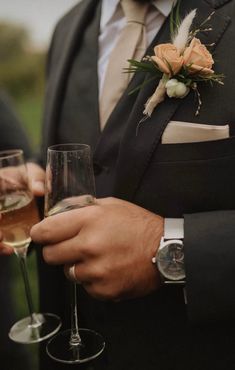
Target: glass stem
pixel 21 254
pixel 75 339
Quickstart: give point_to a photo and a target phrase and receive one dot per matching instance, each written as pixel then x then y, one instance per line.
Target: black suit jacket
pixel 196 181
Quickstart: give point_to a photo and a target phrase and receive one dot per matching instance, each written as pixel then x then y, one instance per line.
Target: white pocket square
pixel 178 132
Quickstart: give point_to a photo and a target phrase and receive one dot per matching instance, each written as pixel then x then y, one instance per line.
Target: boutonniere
pixel 179 65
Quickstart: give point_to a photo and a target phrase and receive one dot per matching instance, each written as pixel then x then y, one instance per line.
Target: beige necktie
pixel 131 45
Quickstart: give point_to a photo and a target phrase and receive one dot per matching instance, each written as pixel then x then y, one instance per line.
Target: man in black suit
pixel 146 324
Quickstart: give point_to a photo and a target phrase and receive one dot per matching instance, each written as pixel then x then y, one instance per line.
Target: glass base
pixel 43 327
pixel 60 349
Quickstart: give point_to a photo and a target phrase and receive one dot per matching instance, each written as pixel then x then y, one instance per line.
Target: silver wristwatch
pixel 169 258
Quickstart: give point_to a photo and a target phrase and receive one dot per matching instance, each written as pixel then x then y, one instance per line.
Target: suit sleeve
pixel 210 265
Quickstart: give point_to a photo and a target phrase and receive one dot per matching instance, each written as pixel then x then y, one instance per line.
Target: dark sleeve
pixel 210 265
pixel 12 135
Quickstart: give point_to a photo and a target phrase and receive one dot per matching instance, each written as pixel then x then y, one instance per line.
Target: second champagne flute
pixel 70 185
pixel 18 214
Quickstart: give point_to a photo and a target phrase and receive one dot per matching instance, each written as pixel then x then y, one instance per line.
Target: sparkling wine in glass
pixel 18 214
pixel 70 185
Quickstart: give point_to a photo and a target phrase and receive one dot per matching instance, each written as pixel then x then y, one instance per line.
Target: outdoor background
pixel 26 27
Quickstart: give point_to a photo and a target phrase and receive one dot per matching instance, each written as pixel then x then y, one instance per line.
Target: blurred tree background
pixel 22 78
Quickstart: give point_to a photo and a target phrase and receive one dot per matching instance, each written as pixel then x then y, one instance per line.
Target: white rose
pixel 176 89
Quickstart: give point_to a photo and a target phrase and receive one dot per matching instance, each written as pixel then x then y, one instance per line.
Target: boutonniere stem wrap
pixel 179 65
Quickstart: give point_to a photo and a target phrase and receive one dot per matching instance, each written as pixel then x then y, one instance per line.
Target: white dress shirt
pixel 112 22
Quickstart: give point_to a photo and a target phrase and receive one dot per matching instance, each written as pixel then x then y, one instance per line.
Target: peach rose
pixel 198 58
pixel 168 58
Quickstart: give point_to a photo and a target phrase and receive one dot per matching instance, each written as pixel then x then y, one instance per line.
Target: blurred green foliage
pixel 13 40
pixel 21 67
pixel 22 77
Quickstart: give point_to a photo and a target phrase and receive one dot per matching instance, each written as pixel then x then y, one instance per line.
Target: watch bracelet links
pixel 173 231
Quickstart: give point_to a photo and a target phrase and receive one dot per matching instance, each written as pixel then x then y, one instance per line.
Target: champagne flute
pixel 18 214
pixel 70 185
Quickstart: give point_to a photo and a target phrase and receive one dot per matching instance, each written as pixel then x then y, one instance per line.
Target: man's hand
pixel 36 176
pixel 110 243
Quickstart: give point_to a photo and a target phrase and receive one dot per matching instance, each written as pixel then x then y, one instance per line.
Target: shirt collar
pixel 107 11
pixel 164 6
pixel 109 7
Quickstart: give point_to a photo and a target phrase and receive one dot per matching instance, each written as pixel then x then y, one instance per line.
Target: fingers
pixel 12 177
pixel 83 272
pixel 36 177
pixel 4 250
pixel 77 273
pixel 57 228
pixel 77 248
pixel 65 252
pixel 92 279
pixel 108 201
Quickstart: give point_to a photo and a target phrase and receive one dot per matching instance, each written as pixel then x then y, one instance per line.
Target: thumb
pixel 36 176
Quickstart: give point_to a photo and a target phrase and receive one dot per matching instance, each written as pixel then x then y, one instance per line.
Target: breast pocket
pixel 188 178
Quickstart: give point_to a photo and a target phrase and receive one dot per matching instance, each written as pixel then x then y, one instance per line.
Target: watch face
pixel 170 260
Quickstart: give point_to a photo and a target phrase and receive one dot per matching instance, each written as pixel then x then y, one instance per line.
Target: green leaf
pixel 169 66
pixel 172 22
pixel 175 18
pixel 136 66
pixel 177 13
pixel 139 87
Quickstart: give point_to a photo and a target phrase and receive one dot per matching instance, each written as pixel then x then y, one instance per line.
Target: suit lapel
pixel 70 39
pixel 136 151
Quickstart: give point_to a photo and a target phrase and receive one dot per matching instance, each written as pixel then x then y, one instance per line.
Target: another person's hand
pixel 36 176
pixel 111 244
pixel 5 251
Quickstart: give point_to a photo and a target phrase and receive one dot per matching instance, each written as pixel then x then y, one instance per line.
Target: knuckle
pixel 87 246
pixel 81 249
pixel 95 275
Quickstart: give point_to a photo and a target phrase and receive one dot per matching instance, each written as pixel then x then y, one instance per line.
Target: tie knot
pixel 135 12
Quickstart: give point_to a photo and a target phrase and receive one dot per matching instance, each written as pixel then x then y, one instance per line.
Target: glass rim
pixel 10 153
pixel 55 148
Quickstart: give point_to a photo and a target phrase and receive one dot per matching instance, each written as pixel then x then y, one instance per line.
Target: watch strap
pixel 173 228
